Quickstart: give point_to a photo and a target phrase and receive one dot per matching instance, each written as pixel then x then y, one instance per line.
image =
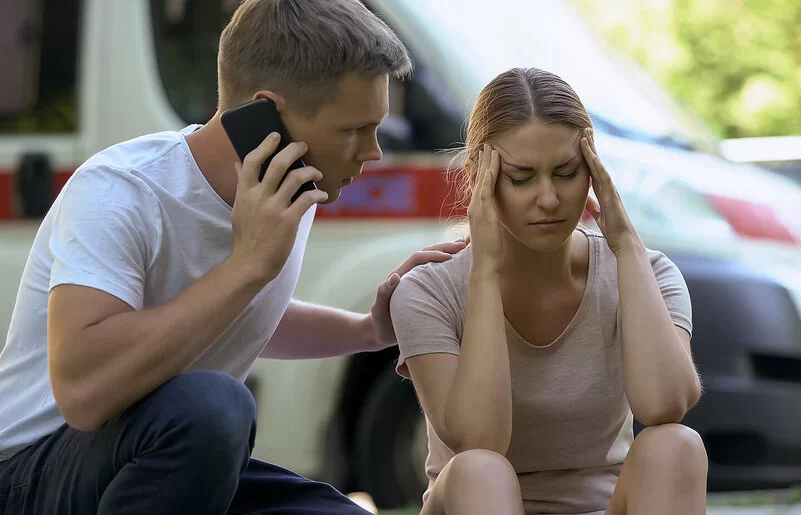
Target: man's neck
pixel 215 156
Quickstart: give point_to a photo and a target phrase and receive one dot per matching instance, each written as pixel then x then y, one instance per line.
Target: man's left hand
pixel 379 317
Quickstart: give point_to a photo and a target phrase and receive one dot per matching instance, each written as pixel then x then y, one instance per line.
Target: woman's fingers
pixel 590 157
pixel 495 166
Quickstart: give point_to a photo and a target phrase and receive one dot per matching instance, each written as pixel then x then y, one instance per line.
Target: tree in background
pixel 735 62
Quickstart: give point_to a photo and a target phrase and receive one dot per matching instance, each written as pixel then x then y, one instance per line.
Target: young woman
pixel 532 349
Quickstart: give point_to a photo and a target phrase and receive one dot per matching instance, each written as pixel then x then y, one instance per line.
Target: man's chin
pixel 333 195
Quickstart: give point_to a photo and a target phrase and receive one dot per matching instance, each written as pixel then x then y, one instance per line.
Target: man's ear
pixel 280 102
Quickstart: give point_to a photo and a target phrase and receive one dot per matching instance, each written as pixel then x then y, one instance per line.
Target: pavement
pixel 765 502
pixel 769 502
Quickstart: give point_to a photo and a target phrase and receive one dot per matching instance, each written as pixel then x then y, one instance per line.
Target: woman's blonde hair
pixel 513 98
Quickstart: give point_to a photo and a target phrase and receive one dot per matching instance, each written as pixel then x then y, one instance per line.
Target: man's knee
pixel 480 468
pixel 212 406
pixel 673 446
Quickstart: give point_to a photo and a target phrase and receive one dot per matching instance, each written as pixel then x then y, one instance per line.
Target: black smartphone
pixel 247 126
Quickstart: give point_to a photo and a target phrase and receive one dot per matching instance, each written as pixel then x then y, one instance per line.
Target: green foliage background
pixel 735 62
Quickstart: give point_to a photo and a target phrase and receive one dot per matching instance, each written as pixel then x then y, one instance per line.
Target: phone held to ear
pixel 249 124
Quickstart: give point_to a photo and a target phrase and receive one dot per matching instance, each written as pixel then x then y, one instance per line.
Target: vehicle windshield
pixel 482 39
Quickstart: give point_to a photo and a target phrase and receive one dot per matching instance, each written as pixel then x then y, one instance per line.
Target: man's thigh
pixel 60 473
pixel 266 489
pixel 153 454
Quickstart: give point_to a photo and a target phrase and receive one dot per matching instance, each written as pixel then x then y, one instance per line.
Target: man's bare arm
pixel 310 331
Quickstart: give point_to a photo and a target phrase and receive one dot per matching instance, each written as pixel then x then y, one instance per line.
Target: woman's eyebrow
pixel 524 168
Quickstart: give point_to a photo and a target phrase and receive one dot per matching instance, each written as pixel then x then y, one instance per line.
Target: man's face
pixel 342 136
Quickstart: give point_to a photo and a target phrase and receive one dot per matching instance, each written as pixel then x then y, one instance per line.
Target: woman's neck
pixel 535 271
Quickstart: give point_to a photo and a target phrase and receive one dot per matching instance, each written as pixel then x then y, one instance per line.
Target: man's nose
pixel 372 150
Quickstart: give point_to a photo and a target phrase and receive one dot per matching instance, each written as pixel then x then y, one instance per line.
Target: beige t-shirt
pixel 572 425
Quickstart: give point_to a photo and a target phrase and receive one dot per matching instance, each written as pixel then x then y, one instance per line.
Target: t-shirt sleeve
pixel 105 233
pixel 424 318
pixel 674 290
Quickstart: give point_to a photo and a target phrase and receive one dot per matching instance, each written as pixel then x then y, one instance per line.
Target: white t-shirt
pixel 139 221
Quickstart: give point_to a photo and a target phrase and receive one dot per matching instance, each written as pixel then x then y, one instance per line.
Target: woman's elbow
pixel 668 408
pixel 695 393
pixel 658 417
pixel 474 441
pixel 669 411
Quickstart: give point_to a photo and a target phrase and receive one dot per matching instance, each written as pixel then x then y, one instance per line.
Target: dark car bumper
pixel 752 432
pixel 747 345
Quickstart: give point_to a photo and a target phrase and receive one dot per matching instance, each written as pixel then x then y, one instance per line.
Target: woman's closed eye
pixel 568 175
pixel 518 182
pixel 522 180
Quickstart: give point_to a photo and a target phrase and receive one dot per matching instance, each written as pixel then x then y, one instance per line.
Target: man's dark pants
pixel 183 449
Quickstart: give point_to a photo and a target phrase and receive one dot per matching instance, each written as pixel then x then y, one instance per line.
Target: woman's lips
pixel 549 224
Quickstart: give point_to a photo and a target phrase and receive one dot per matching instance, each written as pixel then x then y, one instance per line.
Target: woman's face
pixel 542 184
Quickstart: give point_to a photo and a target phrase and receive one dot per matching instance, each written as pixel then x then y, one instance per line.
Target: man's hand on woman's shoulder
pixel 379 322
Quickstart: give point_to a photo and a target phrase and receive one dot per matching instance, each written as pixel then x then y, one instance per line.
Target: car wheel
pixel 392 444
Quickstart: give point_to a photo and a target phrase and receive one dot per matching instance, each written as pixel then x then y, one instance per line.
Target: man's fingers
pixel 451 247
pixel 386 289
pixel 297 178
pixel 306 200
pixel 280 163
pixel 431 254
pixel 422 257
pixel 426 256
pixel 251 165
pixel 241 180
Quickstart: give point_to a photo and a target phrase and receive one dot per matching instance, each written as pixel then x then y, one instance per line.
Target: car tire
pixel 389 459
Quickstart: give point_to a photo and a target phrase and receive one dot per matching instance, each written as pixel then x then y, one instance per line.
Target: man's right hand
pixel 265 220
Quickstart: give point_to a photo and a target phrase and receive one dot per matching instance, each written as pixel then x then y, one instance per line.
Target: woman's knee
pixel 480 468
pixel 671 446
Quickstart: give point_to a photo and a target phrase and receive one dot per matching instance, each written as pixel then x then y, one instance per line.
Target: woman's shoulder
pixel 605 261
pixel 456 267
pixel 445 278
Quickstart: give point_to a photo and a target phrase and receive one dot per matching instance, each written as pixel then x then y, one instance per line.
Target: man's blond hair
pixel 302 48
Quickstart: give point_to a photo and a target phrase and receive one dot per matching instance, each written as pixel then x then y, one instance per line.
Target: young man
pixel 164 269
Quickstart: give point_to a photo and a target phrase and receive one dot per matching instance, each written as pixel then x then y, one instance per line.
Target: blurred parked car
pixel 780 153
pixel 104 71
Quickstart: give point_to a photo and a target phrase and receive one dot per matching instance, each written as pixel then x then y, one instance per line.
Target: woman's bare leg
pixel 475 482
pixel 664 474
